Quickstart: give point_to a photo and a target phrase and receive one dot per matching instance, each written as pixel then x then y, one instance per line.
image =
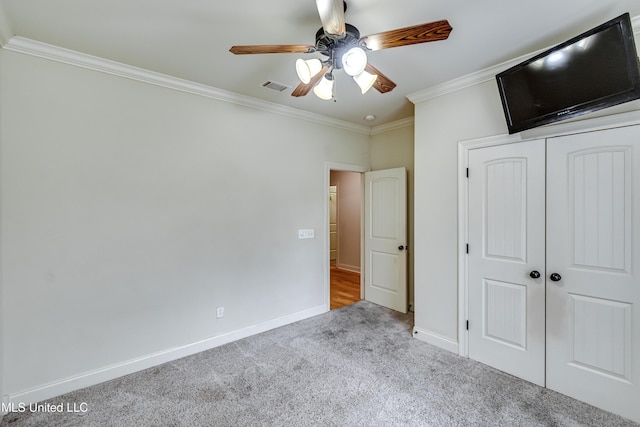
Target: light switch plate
pixel 307 233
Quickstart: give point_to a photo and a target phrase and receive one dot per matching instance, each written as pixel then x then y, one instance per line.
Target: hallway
pixel 345 287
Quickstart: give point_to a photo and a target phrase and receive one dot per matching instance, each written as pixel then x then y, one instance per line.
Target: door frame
pixel 567 128
pixel 341 167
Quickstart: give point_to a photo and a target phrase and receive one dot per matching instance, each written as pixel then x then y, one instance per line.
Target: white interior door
pixel 593 245
pixel 385 241
pixel 506 248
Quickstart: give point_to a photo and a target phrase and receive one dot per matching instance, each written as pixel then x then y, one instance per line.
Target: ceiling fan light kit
pixel 307 69
pixel 365 81
pixel 343 48
pixel 354 60
pixel 324 89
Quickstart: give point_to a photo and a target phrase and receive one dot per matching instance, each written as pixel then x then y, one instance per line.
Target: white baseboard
pixel 57 388
pixel 347 267
pixel 435 339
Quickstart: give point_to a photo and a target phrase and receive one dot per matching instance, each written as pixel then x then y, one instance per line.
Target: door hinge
pixel 467 325
pixel 467 172
pixel 467 248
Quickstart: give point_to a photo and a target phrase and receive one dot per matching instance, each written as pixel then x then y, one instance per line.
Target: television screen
pixel 592 71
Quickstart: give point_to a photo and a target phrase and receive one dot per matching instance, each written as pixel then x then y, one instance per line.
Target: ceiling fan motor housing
pixel 335 47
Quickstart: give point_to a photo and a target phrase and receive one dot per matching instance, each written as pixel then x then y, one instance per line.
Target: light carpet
pixel 355 366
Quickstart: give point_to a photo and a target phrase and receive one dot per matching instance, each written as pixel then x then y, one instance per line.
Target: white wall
pixel 392 148
pixel 440 123
pixel 2 320
pixel 131 211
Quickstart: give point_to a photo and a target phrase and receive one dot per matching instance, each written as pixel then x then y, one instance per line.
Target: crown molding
pixel 43 50
pixel 387 127
pixel 488 74
pixel 54 53
pixel 469 80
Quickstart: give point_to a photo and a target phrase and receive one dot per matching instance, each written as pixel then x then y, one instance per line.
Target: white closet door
pixel 593 245
pixel 506 247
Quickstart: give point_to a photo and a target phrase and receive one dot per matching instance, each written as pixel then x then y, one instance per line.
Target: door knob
pixel 401 248
pixel 534 274
pixel 555 277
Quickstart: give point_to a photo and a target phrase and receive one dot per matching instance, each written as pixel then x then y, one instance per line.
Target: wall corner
pixel 5 28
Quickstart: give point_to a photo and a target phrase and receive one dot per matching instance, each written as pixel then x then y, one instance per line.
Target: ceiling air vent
pixel 278 87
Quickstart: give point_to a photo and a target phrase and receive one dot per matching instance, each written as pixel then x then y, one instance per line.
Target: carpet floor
pixel 355 366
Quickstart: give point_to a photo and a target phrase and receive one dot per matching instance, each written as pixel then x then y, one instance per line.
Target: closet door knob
pixel 401 248
pixel 555 277
pixel 535 274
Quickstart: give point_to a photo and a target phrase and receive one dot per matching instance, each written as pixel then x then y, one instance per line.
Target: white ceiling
pixel 190 39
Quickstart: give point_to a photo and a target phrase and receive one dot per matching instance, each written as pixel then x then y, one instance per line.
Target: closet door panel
pixel 593 245
pixel 506 244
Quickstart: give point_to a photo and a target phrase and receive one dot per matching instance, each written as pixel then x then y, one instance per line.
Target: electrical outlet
pixel 220 312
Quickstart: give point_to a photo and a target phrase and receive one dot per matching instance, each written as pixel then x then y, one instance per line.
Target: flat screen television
pixel 594 70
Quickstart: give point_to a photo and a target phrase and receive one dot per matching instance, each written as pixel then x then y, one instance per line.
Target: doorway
pixel 382 197
pixel 345 236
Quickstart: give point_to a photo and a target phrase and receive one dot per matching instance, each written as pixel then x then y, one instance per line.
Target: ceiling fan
pixel 343 48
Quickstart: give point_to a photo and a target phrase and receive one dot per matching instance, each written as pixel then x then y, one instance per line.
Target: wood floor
pixel 345 287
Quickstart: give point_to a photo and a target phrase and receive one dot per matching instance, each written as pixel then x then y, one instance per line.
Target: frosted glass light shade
pixel 365 81
pixel 307 69
pixel 324 89
pixel 354 60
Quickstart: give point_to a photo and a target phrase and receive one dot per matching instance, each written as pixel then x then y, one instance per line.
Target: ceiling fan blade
pixel 304 89
pixel 383 84
pixel 272 48
pixel 422 33
pixel 332 16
